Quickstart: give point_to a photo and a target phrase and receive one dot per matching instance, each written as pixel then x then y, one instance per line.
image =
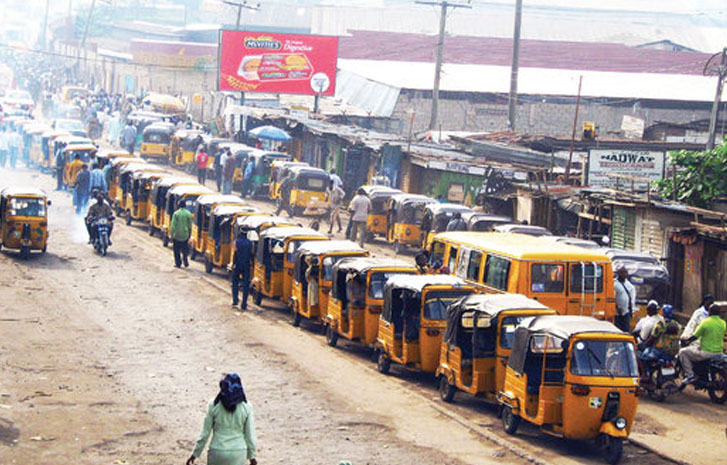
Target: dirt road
pixel 112 360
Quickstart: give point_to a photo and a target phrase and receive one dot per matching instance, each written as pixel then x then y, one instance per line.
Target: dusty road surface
pixel 111 360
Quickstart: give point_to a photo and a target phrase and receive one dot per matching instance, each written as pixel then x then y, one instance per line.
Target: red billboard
pixel 277 63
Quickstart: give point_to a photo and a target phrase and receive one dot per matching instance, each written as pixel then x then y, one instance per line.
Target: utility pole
pixel 240 6
pixel 85 35
pixel 44 35
pixel 512 98
pixel 573 136
pixel 443 5
pixel 721 72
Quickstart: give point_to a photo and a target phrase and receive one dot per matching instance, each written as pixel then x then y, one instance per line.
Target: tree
pixel 701 177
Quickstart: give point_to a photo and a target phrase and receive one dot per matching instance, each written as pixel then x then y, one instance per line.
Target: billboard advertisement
pixel 635 163
pixel 277 63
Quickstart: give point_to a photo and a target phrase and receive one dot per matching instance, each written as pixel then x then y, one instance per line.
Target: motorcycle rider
pixel 100 209
pixel 710 334
pixel 646 325
pixel 699 315
pixel 662 342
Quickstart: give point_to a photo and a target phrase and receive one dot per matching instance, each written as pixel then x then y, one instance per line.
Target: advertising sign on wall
pixel 635 163
pixel 277 63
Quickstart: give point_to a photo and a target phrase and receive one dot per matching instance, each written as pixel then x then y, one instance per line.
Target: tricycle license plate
pixel 667 371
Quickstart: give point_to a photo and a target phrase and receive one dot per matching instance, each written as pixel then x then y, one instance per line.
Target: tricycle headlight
pixel 620 423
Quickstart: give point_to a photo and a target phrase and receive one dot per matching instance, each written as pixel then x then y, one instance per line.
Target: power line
pixel 240 6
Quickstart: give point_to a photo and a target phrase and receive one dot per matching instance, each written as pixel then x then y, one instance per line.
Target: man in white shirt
pixel 360 206
pixel 625 294
pixel 646 325
pixel 336 180
pixel 335 201
pixel 699 315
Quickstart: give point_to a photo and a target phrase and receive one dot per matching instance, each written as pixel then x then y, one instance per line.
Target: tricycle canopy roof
pixel 122 160
pixel 523 229
pixel 447 208
pixel 284 233
pixel 405 198
pixel 328 247
pixel 22 192
pixel 160 128
pixel 169 180
pixel 133 167
pixel 374 191
pixel 493 304
pixel 81 147
pixel 193 189
pixel 565 326
pixel 253 222
pixel 364 264
pixel 227 210
pixel 145 174
pixel 419 282
pixel 219 198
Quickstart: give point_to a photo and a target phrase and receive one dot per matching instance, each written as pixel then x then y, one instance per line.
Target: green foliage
pixel 701 177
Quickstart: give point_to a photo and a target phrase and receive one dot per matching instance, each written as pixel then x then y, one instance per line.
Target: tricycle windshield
pixel 377 283
pixel 27 206
pixel 436 303
pixel 507 330
pixel 604 358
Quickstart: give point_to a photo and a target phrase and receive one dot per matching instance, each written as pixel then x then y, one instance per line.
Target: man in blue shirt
pixel 242 262
pixel 98 180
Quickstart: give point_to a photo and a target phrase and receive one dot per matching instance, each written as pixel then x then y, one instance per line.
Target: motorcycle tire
pixel 656 392
pixel 718 386
pixel 613 449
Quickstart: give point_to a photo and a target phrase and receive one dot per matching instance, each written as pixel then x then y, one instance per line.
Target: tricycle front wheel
pixel 612 448
pixel 510 421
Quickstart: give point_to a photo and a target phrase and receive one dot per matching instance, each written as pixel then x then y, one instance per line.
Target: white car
pixel 17 102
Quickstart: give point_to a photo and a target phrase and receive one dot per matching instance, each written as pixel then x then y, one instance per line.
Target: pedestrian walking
pixel 81 187
pixel 14 143
pixel 360 206
pixel 201 159
pixel 180 229
pixel 71 172
pixel 218 164
pixel 98 180
pixel 625 294
pixel 242 263
pixel 4 147
pixel 335 202
pixel 228 173
pixel 284 202
pixel 128 137
pixel 335 178
pixel 60 164
pixel 247 177
pixel 231 422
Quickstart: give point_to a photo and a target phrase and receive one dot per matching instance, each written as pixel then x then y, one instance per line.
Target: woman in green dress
pixel 230 420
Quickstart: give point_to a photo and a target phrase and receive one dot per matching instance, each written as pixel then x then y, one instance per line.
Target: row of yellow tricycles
pixel 574 376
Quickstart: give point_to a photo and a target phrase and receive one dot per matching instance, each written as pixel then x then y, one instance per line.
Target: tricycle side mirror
pixel 49 202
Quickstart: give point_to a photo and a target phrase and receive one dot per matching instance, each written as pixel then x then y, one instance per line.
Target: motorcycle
pixel 103 231
pixel 712 377
pixel 659 378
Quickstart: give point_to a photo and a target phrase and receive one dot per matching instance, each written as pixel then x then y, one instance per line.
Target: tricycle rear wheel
pixel 510 421
pixel 718 388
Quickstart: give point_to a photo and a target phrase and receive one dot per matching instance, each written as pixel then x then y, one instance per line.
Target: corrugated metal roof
pixel 593 56
pixel 536 81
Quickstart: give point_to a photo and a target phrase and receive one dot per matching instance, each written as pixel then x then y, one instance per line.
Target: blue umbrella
pixel 270 133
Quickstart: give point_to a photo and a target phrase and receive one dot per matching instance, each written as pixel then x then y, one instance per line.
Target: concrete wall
pixel 535 115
